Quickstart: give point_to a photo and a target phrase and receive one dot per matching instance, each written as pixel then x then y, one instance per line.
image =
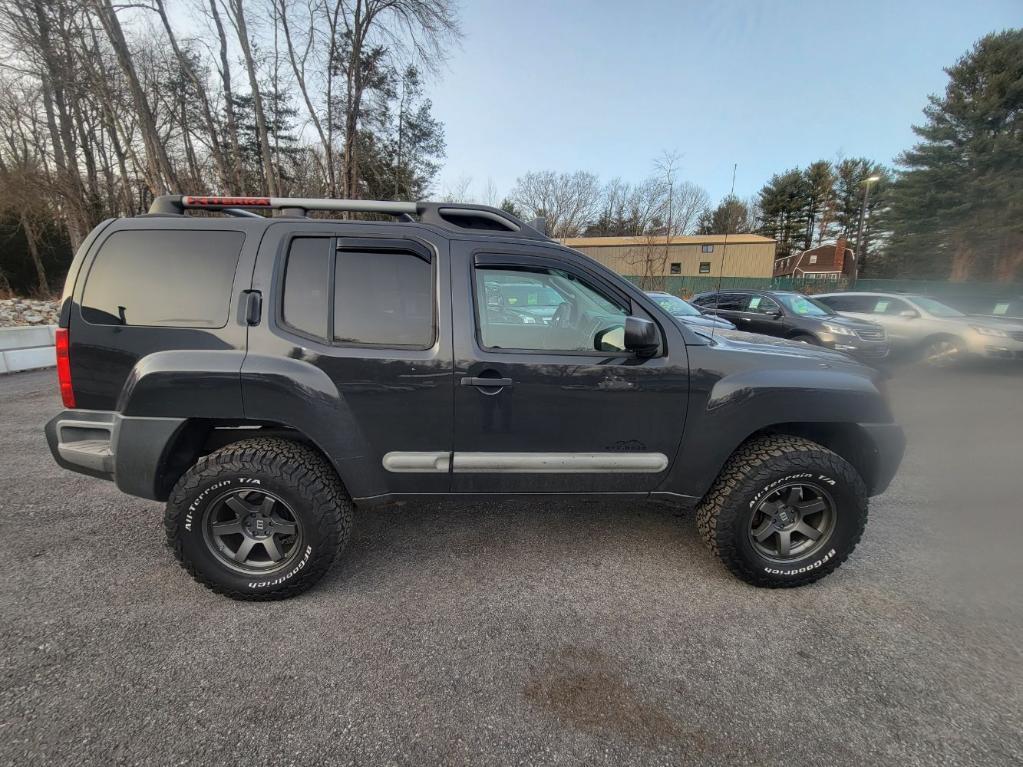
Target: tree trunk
pixel 200 91
pixel 161 175
pixel 232 123
pixel 262 134
pixel 299 70
pixel 42 286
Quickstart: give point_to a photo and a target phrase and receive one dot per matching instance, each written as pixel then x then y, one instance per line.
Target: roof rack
pixel 448 215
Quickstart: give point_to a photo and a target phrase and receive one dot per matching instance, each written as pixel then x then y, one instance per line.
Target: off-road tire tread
pixel 748 468
pixel 292 462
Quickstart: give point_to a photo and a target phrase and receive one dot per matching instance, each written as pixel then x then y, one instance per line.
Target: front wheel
pixel 784 512
pixel 258 519
pixel 944 352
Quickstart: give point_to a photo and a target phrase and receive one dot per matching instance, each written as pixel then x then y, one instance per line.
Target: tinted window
pixel 306 283
pixel 937 308
pixel 163 278
pixel 804 306
pixel 731 302
pixel 707 299
pixel 889 306
pixel 582 320
pixel 850 303
pixel 383 298
pixel 762 305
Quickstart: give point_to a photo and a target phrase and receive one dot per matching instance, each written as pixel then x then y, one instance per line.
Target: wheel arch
pixel 197 437
pixel 847 440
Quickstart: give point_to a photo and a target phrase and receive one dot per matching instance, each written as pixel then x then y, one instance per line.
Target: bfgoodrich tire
pixel 258 519
pixel 784 512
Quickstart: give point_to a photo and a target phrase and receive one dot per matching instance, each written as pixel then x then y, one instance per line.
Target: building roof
pixel 689 239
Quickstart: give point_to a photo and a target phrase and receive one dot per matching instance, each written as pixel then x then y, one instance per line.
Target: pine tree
pixel 956 209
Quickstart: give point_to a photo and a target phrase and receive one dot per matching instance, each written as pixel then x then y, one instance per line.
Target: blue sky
pixel 607 86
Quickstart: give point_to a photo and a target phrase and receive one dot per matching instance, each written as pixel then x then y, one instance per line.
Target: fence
pixel 686 286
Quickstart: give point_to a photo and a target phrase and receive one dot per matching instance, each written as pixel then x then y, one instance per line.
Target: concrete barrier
pixel 27 347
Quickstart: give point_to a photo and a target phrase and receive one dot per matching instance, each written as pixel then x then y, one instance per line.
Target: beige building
pixel 698 255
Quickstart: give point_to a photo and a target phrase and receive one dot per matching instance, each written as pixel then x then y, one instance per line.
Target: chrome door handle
pixel 488 382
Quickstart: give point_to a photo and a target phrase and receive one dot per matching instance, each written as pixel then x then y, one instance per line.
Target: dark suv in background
pixel 787 314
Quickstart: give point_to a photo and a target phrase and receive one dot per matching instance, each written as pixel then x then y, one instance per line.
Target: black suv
pixel 262 374
pixel 787 314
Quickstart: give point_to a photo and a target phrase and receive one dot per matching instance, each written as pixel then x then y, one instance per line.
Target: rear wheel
pixel 258 519
pixel 784 512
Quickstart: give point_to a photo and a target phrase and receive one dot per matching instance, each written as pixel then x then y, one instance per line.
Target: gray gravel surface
pixel 526 633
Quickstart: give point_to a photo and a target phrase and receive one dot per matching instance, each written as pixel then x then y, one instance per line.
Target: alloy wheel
pixel 252 531
pixel 792 522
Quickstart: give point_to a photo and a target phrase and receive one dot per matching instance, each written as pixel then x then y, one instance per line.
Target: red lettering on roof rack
pixel 233 202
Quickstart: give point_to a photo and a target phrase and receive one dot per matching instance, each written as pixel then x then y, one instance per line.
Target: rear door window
pixel 163 278
pixel 383 299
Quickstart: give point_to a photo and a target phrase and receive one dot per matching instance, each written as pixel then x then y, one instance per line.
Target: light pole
pixel 859 229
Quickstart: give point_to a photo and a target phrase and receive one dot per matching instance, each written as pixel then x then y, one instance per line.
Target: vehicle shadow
pixel 487 538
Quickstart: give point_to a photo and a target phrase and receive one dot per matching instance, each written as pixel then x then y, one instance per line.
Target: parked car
pixel 922 325
pixel 263 374
pixel 685 312
pixel 791 315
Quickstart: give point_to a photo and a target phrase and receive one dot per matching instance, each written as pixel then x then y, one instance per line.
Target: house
pixel 826 262
pixel 697 255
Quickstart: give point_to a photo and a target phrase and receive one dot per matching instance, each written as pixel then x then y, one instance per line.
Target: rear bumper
pixel 126 450
pixel 889 446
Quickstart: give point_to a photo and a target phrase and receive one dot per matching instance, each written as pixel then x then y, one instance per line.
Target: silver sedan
pixel 920 324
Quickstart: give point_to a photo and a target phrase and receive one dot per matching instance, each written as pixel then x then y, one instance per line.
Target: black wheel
pixel 258 519
pixel 806 338
pixel 784 512
pixel 943 352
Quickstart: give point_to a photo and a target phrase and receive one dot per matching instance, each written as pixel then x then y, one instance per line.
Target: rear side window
pixel 307 284
pixel 383 298
pixel 163 278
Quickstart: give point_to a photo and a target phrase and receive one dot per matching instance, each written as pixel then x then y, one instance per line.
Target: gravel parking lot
pixel 526 633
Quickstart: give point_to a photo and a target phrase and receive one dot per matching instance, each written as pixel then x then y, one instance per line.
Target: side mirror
pixel 909 314
pixel 641 337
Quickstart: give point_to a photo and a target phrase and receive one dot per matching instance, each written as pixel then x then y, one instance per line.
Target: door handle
pixel 746 319
pixel 492 383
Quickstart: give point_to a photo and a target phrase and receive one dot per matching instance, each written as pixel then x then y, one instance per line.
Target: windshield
pixel 804 306
pixel 936 308
pixel 675 305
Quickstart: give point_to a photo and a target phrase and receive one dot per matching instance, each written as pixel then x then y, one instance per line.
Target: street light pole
pixel 859 229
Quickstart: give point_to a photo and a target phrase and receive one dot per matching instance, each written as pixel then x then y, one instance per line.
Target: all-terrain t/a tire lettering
pixel 784 512
pixel 258 519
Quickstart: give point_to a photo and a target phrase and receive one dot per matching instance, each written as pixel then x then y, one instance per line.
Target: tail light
pixel 67 393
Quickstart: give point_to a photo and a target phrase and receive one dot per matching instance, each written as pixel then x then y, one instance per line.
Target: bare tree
pixel 236 12
pixel 200 93
pixel 568 201
pixel 161 176
pixel 378 29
